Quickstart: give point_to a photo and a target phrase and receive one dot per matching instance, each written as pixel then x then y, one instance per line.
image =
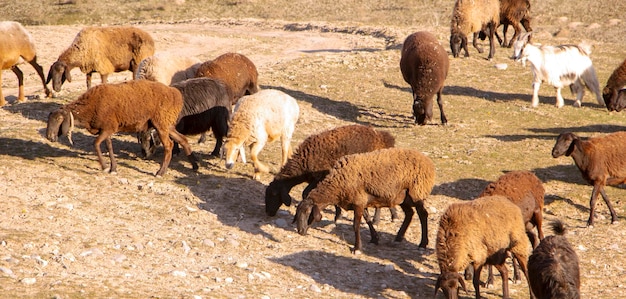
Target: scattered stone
pixel 91 251
pixel 563 19
pixel 123 181
pixel 177 273
pixel 28 280
pixel 207 242
pixel 501 66
pixel 233 242
pixel 574 25
pixel 582 248
pixel 613 22
pixel 389 268
pixel 594 26
pixel 266 275
pixel 241 265
pixel 41 261
pixel 186 247
pixel 314 288
pixel 228 279
pixel 119 258
pixel 6 271
pixel 280 222
pixel 432 209
pixel 69 256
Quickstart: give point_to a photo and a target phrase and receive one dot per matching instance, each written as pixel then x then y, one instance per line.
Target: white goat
pixel 560 66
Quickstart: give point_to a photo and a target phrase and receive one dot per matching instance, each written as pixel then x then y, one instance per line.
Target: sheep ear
pixel 461 282
pixel 572 146
pixel 66 74
pixel 285 197
pixel 525 37
pixel 316 214
pixel 437 285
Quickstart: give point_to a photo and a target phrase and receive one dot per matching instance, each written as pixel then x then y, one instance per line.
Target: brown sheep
pixel 600 160
pixel 131 106
pixel 470 17
pixel 381 178
pixel 424 65
pixel 17 44
pixel 102 50
pixel 514 13
pixel 614 84
pixel 477 233
pixel 235 70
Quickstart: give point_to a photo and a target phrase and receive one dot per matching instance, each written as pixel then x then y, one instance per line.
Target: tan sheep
pixel 16 46
pixel 470 17
pixel 477 233
pixel 167 68
pixel 381 178
pixel 237 71
pixel 102 50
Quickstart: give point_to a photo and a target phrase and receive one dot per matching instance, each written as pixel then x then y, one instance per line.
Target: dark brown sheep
pixel 103 50
pixel 381 178
pixel 517 14
pixel 477 233
pixel 600 161
pixel 424 65
pixel 553 267
pixel 125 107
pixel 614 84
pixel 315 157
pixel 235 70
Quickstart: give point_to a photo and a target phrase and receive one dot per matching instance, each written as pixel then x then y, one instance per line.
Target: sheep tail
pixel 590 79
pixel 558 227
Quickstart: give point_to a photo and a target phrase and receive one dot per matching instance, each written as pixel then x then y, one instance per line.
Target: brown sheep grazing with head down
pixel 103 50
pixel 424 65
pixel 17 44
pixel 235 70
pixel 615 83
pixel 131 106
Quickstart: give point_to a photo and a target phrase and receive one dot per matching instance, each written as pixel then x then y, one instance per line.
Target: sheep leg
pixel 538 221
pixel 492 43
pixel 2 101
pixel 111 155
pixel 504 274
pixel 597 188
pixel 522 261
pixel 88 80
pixel 182 140
pixel 358 214
pixel 394 213
pixel 476 280
pixel 502 41
pixel 489 282
pixel 559 98
pixel 516 277
pixel 39 70
pixel 423 216
pixel 103 136
pixel 286 149
pixel 259 166
pixel 167 150
pixel 20 80
pixel 104 78
pixel 475 44
pixel 370 224
pixel 608 203
pixel 535 99
pixel 407 208
pixel 376 219
pixel 444 120
pixel 464 45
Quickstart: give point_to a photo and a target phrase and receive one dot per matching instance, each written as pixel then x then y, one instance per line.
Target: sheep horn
pixel 69 132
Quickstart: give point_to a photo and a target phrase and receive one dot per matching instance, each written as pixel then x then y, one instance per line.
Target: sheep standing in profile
pixel 381 178
pixel 315 156
pixel 103 50
pixel 553 267
pixel 167 68
pixel 559 66
pixel 615 83
pixel 470 17
pixel 125 107
pixel 235 70
pixel 17 45
pixel 477 233
pixel 517 14
pixel 258 119
pixel 424 65
pixel 601 162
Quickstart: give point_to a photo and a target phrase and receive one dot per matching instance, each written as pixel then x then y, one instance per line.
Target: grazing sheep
pixel 381 178
pixel 16 46
pixel 615 83
pixel 600 161
pixel 514 13
pixel 316 155
pixel 470 17
pixel 102 50
pixel 260 118
pixel 560 66
pixel 424 65
pixel 167 68
pixel 126 107
pixel 525 190
pixel 477 233
pixel 237 72
pixel 553 267
pixel 206 106
pixel 620 102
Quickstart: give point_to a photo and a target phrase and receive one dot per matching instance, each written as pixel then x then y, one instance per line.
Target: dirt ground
pixel 67 230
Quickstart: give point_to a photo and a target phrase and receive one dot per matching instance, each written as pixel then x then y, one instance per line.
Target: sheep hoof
pixel 355 251
pixel 577 104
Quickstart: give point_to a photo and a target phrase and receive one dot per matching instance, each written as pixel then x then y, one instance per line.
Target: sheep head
pixel 449 284
pixel 275 195
pixel 615 100
pixel 60 122
pixel 423 111
pixel 565 144
pixel 231 150
pixel 519 45
pixel 457 42
pixel 59 72
pixel 149 141
pixel 306 214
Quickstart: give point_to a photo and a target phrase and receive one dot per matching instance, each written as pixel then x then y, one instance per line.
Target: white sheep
pixel 17 46
pixel 477 233
pixel 260 118
pixel 381 178
pixel 559 66
pixel 167 68
pixel 102 50
pixel 470 17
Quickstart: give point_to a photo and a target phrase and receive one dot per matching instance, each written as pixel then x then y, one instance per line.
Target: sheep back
pixel 614 84
pixel 15 43
pixel 424 65
pixel 316 155
pixel 470 232
pixel 468 16
pixel 235 70
pixel 201 94
pixel 167 68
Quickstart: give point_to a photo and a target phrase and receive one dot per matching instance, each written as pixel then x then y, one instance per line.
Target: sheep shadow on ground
pixel 35 110
pixel 342 110
pixel 464 189
pixel 331 269
pixel 600 128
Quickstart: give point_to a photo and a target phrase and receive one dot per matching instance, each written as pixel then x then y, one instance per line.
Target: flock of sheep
pixel 352 167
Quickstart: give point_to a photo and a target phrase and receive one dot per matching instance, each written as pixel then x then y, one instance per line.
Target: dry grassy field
pixel 68 230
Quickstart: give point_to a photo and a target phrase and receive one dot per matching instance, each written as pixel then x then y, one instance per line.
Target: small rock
pixel 266 275
pixel 280 222
pixel 186 247
pixel 241 265
pixel 389 268
pixel 433 209
pixel 123 181
pixel 177 273
pixel 314 288
pixel 6 271
pixel 228 279
pixel 613 22
pixel 118 258
pixel 28 280
pixel 233 242
pixel 574 25
pixel 207 242
pixel 594 26
pixel 501 66
pixel 41 261
pixel 582 248
pixel 92 251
